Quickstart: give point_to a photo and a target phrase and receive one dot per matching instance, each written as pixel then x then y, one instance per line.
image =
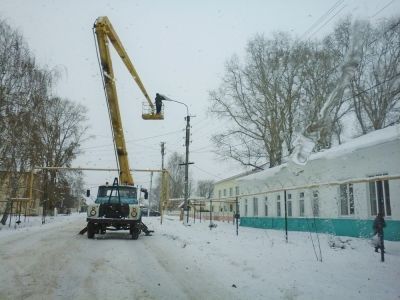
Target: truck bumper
pixel 111 221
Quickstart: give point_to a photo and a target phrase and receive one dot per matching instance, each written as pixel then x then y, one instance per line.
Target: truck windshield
pixel 128 195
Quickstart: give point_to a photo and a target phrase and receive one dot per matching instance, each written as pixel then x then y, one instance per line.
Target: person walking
pixel 379 224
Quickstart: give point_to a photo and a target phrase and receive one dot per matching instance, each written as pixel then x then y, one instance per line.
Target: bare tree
pixel 36 128
pixel 258 100
pixel 19 86
pixel 61 132
pixel 321 73
pixel 177 173
pixel 205 188
pixel 376 84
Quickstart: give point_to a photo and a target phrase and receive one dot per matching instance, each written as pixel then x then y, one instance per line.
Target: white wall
pixel 325 167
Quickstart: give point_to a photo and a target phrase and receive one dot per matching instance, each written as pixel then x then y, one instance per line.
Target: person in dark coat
pixel 379 224
pixel 158 101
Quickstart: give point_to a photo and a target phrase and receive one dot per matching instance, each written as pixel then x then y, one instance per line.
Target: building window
pixel 245 207
pixel 379 197
pixel 289 196
pixel 278 209
pixel 315 204
pixel 224 192
pixel 266 207
pixel 301 204
pixel 346 199
pixel 219 194
pixel 255 206
pixel 212 208
pixel 237 190
pixel 230 207
pixel 289 208
pixel 278 197
pixel 230 192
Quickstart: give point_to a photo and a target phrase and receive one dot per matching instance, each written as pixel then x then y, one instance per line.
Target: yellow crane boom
pixel 105 33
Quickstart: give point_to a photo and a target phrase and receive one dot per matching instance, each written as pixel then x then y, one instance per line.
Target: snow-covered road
pixel 52 261
pixel 57 263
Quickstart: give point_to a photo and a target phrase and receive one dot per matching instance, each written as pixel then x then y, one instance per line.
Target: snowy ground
pixel 52 261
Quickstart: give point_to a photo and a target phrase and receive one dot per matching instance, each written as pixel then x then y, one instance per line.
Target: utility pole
pixel 187 142
pixel 150 193
pixel 165 98
pixel 162 178
pixel 162 154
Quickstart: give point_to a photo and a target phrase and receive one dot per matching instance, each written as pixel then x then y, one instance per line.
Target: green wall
pixel 340 227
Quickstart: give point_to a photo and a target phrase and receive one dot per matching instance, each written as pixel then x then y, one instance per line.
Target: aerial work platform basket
pixel 149 112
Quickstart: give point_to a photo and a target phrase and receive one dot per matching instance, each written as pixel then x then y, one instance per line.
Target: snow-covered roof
pixel 376 137
pixel 239 175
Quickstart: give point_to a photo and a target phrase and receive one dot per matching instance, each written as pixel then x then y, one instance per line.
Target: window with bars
pixel 315 203
pixel 379 197
pixel 346 199
pixel 255 207
pixel 278 208
pixel 289 208
pixel 301 204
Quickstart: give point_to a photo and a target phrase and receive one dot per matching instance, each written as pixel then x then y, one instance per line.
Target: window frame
pixel 255 206
pixel 301 204
pixel 379 197
pixel 346 202
pixel 315 207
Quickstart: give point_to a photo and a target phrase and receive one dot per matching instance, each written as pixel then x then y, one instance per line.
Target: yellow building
pixel 225 192
pixel 22 202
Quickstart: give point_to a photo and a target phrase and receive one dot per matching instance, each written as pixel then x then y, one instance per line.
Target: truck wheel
pixel 90 230
pixel 135 233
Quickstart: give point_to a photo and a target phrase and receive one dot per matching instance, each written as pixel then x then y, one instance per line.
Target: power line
pixel 135 140
pixel 379 11
pixel 372 87
pixel 321 18
pixel 323 25
pixel 207 172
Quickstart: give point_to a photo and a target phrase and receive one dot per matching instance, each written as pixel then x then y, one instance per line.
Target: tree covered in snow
pixel 37 128
pixel 282 83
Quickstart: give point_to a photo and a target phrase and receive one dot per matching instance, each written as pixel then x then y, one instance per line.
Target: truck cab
pixel 116 208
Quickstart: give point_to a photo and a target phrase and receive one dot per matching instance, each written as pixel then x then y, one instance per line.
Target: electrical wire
pixel 321 18
pixel 378 12
pixel 207 172
pixel 323 25
pixel 135 140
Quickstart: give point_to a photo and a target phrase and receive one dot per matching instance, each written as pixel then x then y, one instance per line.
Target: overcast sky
pixel 179 49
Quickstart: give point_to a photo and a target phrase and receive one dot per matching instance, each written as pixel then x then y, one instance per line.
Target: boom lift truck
pixel 116 206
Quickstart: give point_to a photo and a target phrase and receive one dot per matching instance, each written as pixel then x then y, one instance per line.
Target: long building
pixel 339 190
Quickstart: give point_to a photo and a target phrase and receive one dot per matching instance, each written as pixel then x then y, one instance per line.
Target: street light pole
pixel 187 142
